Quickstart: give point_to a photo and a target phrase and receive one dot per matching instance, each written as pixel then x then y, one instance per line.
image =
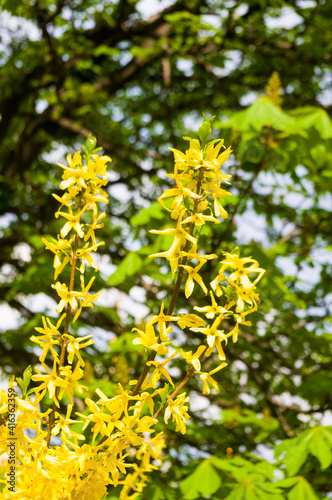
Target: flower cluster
pixel 122 449
pixel 197 200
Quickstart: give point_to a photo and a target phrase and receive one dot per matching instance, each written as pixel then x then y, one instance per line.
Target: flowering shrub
pixel 123 448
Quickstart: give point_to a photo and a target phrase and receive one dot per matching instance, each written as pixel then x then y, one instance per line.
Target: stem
pixel 64 340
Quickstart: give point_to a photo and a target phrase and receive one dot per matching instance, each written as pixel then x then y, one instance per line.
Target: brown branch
pixel 190 373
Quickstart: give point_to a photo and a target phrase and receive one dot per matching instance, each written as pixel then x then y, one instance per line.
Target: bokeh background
pixel 138 75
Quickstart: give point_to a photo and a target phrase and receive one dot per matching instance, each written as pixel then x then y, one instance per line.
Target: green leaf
pixel 302 491
pixel 254 490
pixel 320 449
pixel 263 113
pixel 287 482
pixel 317 118
pixel 154 211
pixel 295 457
pixel 129 266
pixel 237 494
pixel 205 130
pixel 317 441
pixel 204 480
pixel 20 382
pixel 27 375
pixel 24 384
pixel 158 494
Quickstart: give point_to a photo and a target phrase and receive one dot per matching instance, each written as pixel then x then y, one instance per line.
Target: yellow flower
pixel 219 210
pixel 86 299
pixel 50 382
pixel 240 271
pixel 179 193
pixel 193 359
pixel 74 345
pixel 92 227
pixel 49 339
pixel 212 332
pixel 74 174
pixel 104 424
pixel 72 378
pixel 193 275
pixel 63 424
pixel 207 379
pixel 162 321
pixel 84 254
pixel 73 222
pixel 211 311
pixel 199 219
pixel 180 237
pixel 60 247
pixel 149 340
pixel 160 370
pixel 190 320
pixel 66 297
pixel 178 411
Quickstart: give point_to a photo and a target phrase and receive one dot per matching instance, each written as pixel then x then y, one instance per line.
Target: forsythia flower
pixel 178 410
pixel 193 276
pixel 50 380
pixel 207 379
pixel 149 340
pixel 66 297
pixel 194 359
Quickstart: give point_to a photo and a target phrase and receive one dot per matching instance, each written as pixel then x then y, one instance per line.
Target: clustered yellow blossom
pixel 195 201
pixel 122 449
pixel 274 89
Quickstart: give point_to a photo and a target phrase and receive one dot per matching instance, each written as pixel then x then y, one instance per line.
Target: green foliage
pixel 24 383
pixel 154 211
pixel 203 481
pixel 129 266
pixel 316 441
pixel 263 113
pixel 205 130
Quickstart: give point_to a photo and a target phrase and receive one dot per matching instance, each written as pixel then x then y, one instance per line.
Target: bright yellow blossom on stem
pixel 66 296
pixel 75 344
pixel 207 379
pixel 122 451
pixel 194 359
pixel 162 321
pixel 149 340
pixel 84 254
pixel 178 411
pixel 214 309
pixel 160 370
pixel 73 222
pixel 50 337
pixel 50 381
pixel 193 275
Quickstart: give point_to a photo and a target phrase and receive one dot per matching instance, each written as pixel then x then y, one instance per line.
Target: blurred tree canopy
pixel 138 74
